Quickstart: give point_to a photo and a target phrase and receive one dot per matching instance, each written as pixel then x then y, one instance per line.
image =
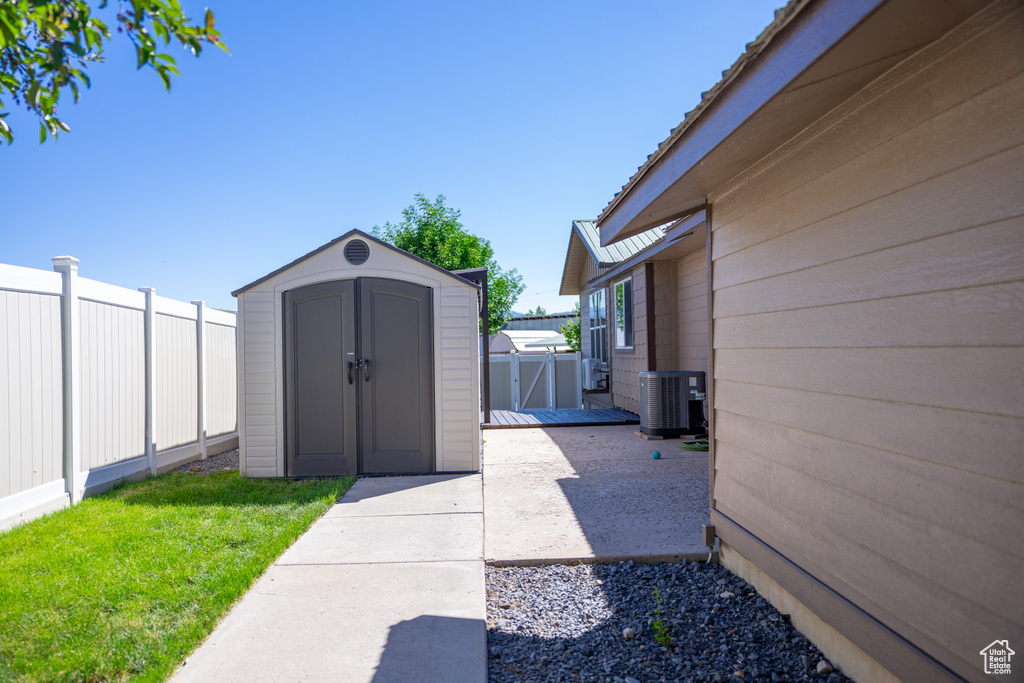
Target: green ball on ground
pixel 656 455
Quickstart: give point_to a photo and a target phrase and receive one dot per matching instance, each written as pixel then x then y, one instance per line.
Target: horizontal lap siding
pixel 176 365
pixel 666 315
pixel 459 440
pixel 258 386
pixel 31 391
pixel 692 313
pixel 113 359
pixel 585 323
pixel 221 389
pixel 869 320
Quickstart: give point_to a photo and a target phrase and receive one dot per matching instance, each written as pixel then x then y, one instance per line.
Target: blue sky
pixel 332 116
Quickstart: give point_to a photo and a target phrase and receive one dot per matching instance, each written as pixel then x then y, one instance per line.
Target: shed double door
pixel 359 390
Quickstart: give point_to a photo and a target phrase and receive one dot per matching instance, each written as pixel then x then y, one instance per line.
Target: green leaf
pixel 209 19
pixel 32 96
pixel 42 133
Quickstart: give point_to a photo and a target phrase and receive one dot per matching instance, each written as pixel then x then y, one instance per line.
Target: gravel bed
pixel 228 460
pixel 597 623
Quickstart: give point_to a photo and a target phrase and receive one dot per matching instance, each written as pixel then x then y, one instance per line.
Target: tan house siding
pixel 627 364
pixel 869 339
pixel 666 331
pixel 585 323
pixel 692 311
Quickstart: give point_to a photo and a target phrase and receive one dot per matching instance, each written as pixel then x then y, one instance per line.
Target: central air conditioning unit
pixel 672 403
pixel 591 373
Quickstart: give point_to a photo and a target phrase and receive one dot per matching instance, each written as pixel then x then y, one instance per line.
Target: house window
pixel 598 327
pixel 624 314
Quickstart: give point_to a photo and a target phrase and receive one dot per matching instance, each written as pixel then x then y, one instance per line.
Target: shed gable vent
pixel 356 252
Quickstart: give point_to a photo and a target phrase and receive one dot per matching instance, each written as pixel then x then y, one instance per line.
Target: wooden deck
pixel 510 419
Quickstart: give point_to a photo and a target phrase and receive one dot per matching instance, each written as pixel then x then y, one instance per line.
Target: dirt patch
pixel 228 460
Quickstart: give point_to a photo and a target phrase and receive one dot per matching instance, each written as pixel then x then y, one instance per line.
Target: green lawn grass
pixel 126 584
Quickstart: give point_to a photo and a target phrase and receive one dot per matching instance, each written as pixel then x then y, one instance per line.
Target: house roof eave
pixel 816 54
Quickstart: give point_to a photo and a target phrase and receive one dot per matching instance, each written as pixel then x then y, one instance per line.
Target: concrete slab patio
pixel 591 493
pixel 388 586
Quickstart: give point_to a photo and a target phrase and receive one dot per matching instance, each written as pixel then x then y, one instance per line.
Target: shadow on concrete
pixel 384 485
pixel 434 649
pixel 630 505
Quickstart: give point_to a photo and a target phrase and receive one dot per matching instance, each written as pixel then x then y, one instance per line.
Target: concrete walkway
pixel 387 586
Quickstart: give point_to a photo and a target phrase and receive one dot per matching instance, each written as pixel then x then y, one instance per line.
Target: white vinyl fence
pixel 100 383
pixel 536 381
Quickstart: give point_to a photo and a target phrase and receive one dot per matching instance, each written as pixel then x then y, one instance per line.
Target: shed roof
pixel 533 340
pixel 362 235
pixel 584 242
pixel 813 56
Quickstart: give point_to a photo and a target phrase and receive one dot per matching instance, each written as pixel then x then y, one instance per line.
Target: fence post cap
pixel 64 262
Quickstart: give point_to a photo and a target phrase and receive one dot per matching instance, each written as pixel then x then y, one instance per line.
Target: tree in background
pixel 571 330
pixel 537 311
pixel 45 48
pixel 434 232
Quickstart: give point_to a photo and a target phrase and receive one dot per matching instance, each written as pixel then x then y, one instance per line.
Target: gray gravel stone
pixel 562 623
pixel 228 460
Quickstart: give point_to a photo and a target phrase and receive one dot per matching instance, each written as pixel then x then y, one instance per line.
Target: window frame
pixel 628 323
pixel 598 332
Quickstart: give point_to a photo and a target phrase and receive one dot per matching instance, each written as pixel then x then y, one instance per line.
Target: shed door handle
pixel 350 364
pixel 366 369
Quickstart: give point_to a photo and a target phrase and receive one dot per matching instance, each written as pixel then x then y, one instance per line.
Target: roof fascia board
pixel 586 244
pixel 565 287
pixel 363 235
pixel 685 225
pixel 628 264
pixel 810 37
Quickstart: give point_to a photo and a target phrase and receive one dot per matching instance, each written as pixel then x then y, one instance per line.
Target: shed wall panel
pixel 869 335
pixel 459 380
pixel 256 312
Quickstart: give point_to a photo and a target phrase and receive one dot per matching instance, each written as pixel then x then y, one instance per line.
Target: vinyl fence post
pixel 149 318
pixel 201 376
pixel 67 266
pixel 514 369
pixel 552 391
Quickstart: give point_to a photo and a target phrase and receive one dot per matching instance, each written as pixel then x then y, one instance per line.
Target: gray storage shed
pixel 358 358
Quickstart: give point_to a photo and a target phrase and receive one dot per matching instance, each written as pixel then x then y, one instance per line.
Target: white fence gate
pixel 100 383
pixel 536 381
